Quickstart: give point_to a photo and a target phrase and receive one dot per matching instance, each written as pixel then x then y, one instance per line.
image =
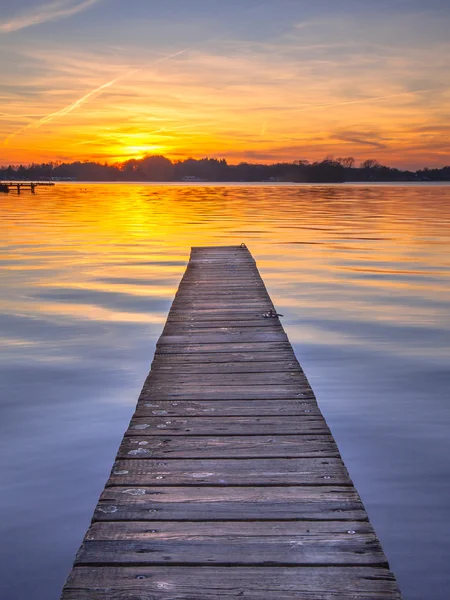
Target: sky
pixel 263 81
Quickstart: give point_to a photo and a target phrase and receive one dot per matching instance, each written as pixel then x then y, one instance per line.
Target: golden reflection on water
pixel 325 248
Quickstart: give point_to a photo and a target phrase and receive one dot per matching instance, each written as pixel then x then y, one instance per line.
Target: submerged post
pixel 228 482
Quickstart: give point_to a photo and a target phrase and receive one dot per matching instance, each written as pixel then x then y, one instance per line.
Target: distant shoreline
pixel 237 183
pixel 212 170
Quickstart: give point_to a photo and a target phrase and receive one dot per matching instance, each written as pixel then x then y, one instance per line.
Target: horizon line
pixel 294 162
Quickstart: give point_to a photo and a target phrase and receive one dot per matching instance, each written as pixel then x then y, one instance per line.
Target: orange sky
pixel 252 83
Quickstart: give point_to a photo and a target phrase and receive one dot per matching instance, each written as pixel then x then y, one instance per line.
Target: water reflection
pixel 88 273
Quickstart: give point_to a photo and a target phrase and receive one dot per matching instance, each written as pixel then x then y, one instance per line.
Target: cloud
pixel 46 12
pixel 358 137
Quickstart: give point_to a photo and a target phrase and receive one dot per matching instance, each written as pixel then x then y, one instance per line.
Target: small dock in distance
pixel 228 483
pixel 27 185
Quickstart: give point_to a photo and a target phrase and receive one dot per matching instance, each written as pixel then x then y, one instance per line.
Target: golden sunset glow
pixel 303 86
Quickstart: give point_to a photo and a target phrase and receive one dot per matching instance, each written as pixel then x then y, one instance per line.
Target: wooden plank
pixel 206 425
pixel 198 316
pixel 259 307
pixel 228 482
pixel 238 379
pixel 229 583
pixel 171 367
pixel 225 408
pixel 224 337
pixel 180 530
pixel 228 356
pixel 254 292
pixel 220 326
pixel 249 347
pixel 219 503
pixel 228 300
pixel 224 543
pixel 238 318
pixel 230 392
pixel 246 471
pixel 220 283
pixel 251 302
pixel 318 446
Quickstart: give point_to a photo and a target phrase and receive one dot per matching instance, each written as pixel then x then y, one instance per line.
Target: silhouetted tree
pixel 370 164
pixel 210 169
pixel 326 171
pixel 348 162
pixel 155 168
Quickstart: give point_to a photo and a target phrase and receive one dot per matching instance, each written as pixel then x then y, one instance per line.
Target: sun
pixel 137 152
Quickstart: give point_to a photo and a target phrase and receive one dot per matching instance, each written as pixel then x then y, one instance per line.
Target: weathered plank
pixel 292 446
pixel 219 347
pixel 227 583
pixel 180 530
pixel 228 482
pixel 219 503
pixel 237 314
pixel 242 379
pixel 227 355
pixel 224 337
pixel 257 546
pixel 226 392
pixel 173 367
pixel 225 408
pixel 243 471
pixel 250 426
pixel 219 326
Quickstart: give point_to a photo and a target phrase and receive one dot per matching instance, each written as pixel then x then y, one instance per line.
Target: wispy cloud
pixel 46 12
pixel 371 99
pixel 362 138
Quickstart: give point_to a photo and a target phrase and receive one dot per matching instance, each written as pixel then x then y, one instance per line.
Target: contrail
pixel 365 100
pixel 74 105
pixel 67 109
pixel 164 58
pixel 46 12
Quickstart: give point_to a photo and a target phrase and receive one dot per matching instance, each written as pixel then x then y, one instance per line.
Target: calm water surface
pixel 87 275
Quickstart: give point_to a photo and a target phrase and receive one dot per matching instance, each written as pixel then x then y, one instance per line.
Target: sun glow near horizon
pixel 125 153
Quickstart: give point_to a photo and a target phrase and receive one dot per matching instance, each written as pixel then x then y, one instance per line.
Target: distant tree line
pixel 160 168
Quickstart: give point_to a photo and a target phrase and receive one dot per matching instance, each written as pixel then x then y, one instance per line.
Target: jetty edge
pixel 228 482
pixel 5 186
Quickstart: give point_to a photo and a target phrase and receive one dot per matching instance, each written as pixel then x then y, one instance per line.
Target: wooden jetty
pixel 228 483
pixel 18 185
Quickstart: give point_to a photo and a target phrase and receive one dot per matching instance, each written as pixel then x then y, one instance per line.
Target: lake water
pixel 87 275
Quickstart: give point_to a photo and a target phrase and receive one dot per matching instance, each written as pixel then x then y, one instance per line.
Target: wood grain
pixel 224 471
pixel 220 503
pixel 229 583
pixel 292 446
pixel 225 408
pixel 207 425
